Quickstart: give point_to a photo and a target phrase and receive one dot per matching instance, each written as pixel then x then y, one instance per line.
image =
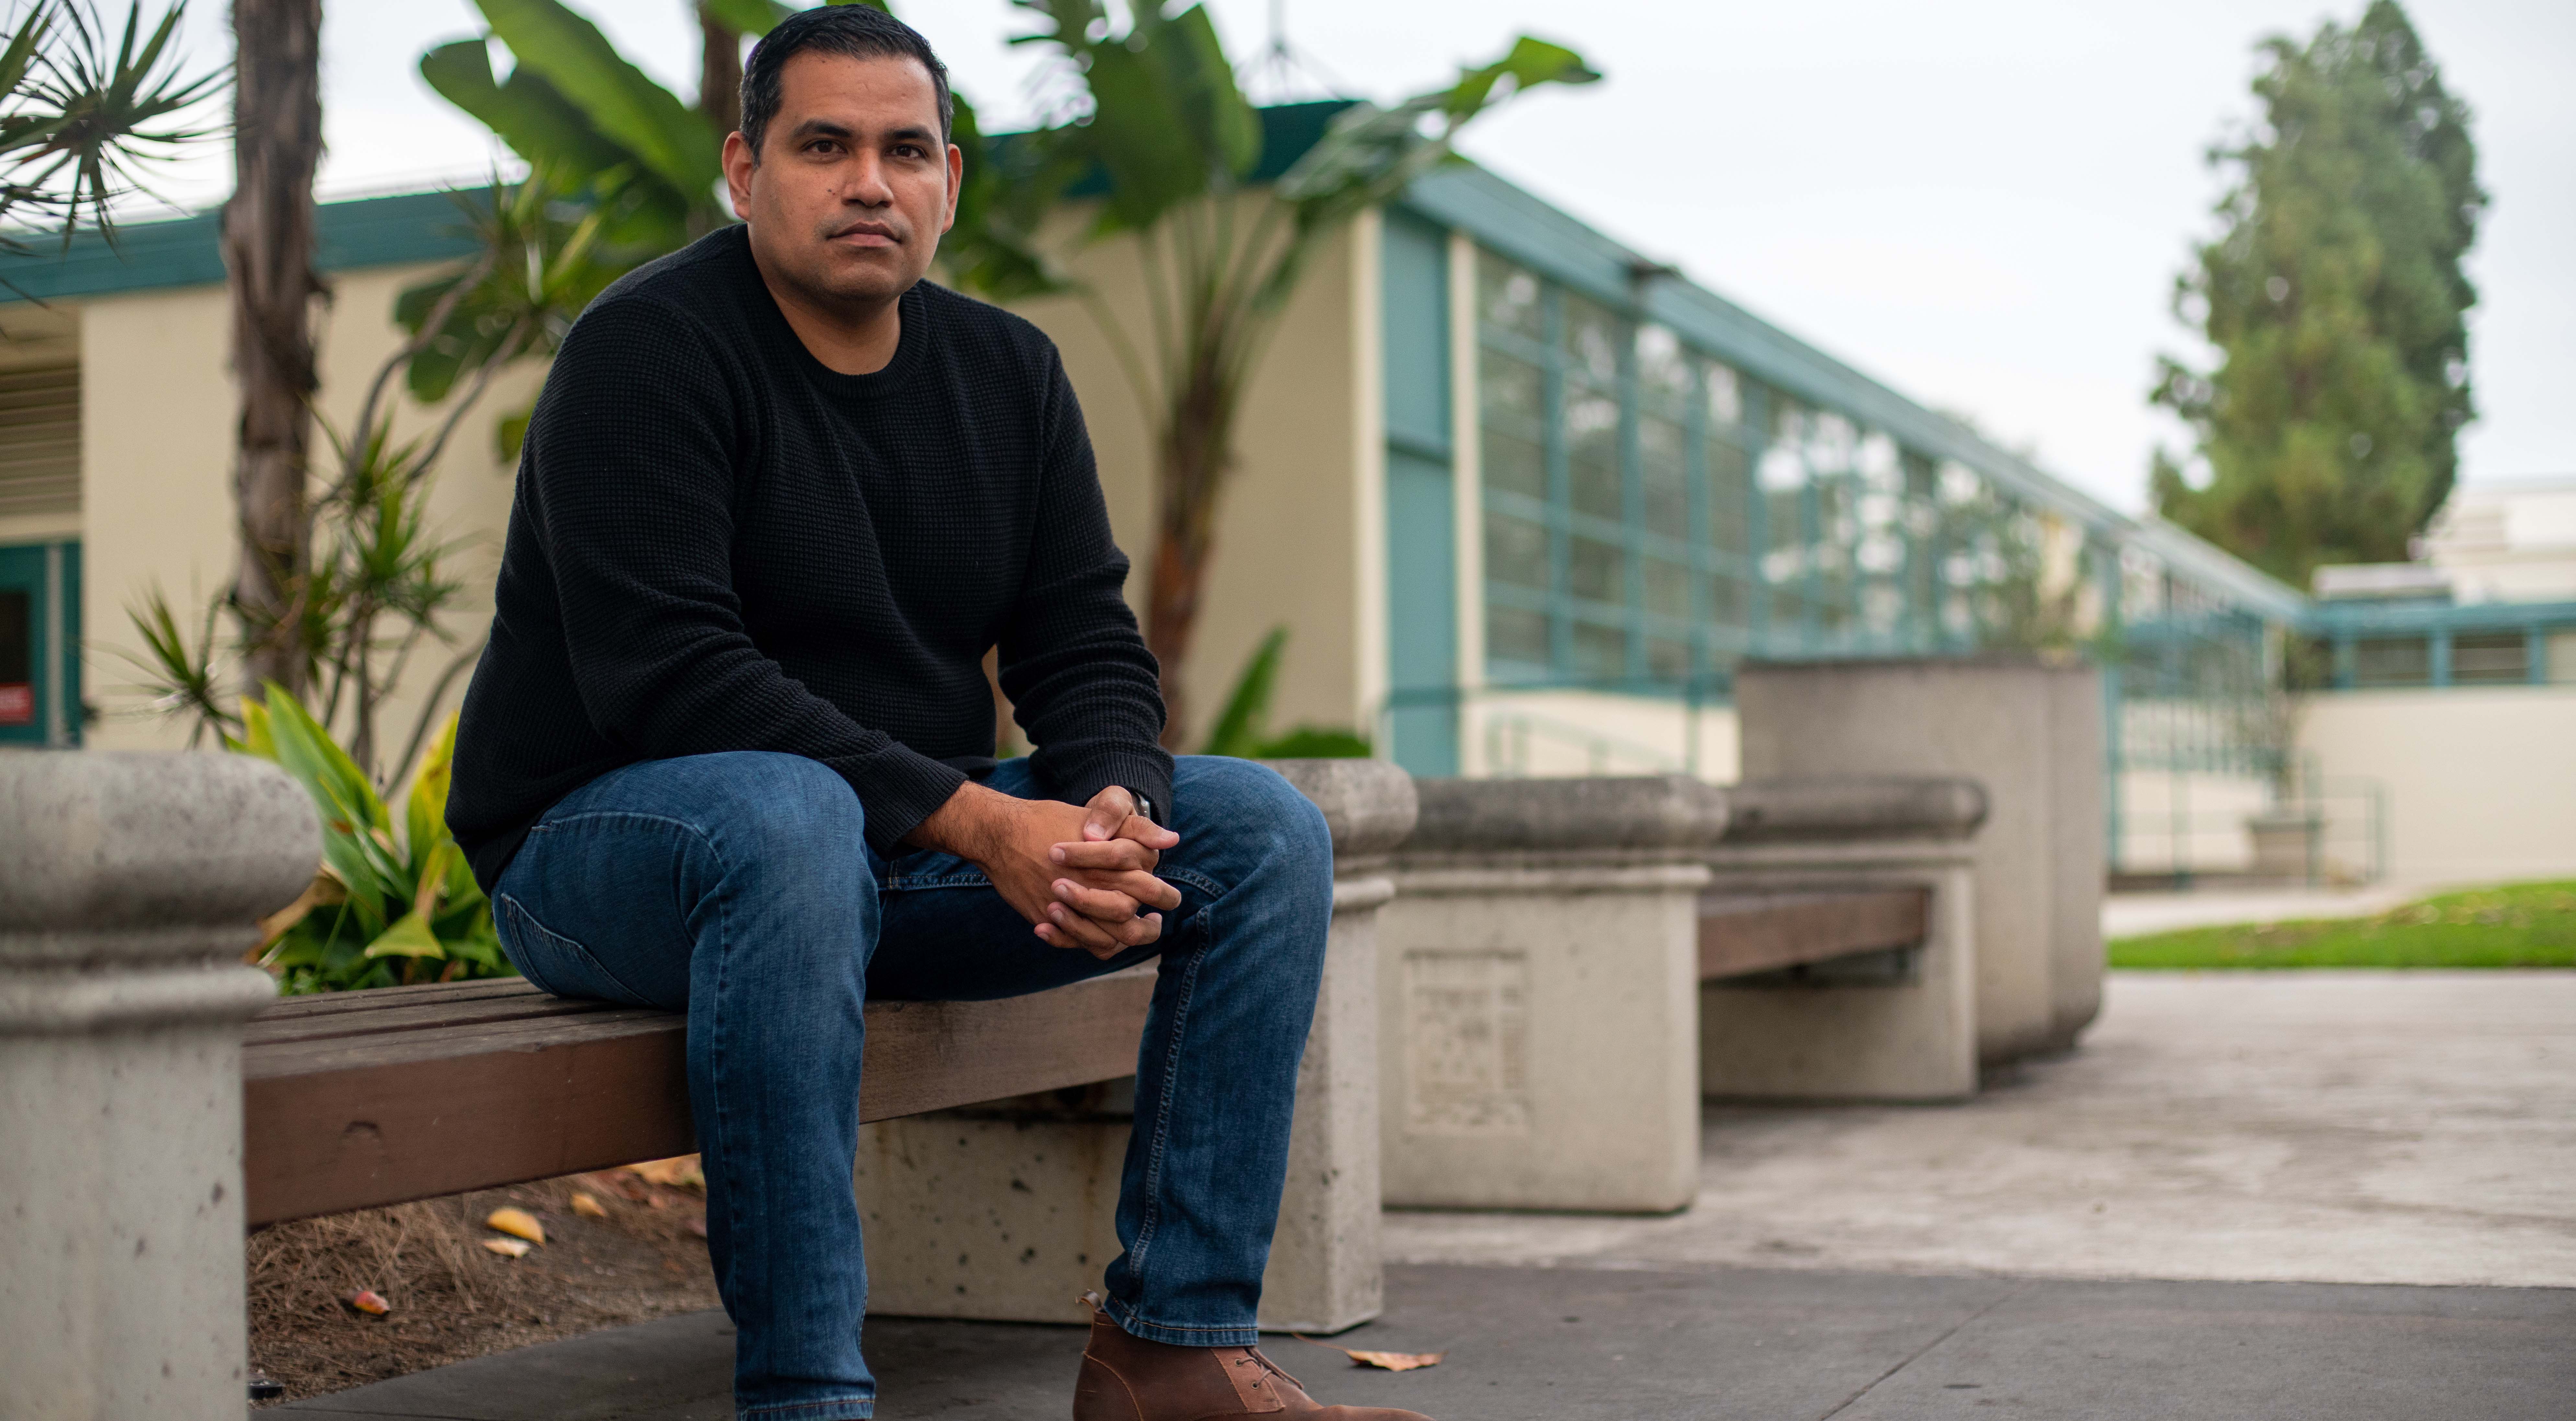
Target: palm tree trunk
pixel 1197 448
pixel 268 247
pixel 719 73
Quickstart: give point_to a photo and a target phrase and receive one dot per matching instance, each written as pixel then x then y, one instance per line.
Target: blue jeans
pixel 740 889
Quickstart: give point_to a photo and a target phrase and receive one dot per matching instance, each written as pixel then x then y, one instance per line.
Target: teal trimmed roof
pixel 363 232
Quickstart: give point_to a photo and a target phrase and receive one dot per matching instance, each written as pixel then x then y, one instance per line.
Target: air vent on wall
pixel 40 440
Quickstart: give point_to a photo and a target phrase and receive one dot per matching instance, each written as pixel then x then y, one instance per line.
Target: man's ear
pixel 738 166
pixel 956 184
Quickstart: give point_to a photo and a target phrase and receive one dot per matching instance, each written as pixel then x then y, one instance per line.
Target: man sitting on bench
pixel 730 749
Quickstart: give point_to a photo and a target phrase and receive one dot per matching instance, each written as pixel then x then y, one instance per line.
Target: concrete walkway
pixel 2345 1127
pixel 1533 1344
pixel 2078 1242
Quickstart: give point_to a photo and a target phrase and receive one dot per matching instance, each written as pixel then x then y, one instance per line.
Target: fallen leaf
pixel 1383 1361
pixel 588 1207
pixel 1393 1361
pixel 677 1172
pixel 369 1301
pixel 518 1223
pixel 507 1247
pixel 696 1224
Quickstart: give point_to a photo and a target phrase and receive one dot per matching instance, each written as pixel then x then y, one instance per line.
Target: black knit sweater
pixel 720 544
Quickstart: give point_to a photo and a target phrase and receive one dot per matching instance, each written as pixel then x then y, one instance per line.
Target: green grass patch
pixel 2517 925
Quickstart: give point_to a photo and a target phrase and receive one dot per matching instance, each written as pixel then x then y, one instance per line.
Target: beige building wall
pixel 156 459
pixel 2480 781
pixel 1296 541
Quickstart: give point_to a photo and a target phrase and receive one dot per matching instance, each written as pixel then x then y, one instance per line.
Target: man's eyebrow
pixel 833 128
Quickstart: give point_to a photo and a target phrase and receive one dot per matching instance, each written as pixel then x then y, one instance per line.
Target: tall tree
pixel 268 246
pixel 2337 304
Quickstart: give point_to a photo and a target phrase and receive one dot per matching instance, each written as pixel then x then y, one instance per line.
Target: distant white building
pixel 2507 542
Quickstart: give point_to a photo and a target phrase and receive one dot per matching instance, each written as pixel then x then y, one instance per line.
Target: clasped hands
pixel 1084 876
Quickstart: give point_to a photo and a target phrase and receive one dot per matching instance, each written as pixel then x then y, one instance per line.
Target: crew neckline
pixel 876 383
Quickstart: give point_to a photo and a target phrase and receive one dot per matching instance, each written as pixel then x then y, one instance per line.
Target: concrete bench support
pixel 1892 1025
pixel 132 885
pixel 2031 734
pixel 1537 995
pixel 1006 1212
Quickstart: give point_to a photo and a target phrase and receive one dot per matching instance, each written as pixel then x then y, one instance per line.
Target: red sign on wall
pixel 17 704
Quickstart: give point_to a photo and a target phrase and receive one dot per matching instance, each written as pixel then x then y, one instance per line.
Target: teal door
pixel 39 644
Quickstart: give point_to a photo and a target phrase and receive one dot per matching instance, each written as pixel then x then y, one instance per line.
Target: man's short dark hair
pixel 859 31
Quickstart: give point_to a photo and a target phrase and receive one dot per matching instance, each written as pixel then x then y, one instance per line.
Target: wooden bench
pixel 360 1099
pixel 1741 934
pixel 1836 947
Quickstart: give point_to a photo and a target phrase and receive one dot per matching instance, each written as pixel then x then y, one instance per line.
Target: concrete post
pixel 1537 995
pixel 1006 1212
pixel 1839 1035
pixel 2014 726
pixel 130 888
pixel 2079 780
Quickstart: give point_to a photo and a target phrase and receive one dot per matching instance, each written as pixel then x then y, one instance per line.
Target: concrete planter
pixel 2031 734
pixel 2286 842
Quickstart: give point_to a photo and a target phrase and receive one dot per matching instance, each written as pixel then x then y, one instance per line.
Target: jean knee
pixel 788 818
pixel 1247 797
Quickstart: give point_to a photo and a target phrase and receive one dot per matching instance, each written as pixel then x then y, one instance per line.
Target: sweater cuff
pixel 1147 774
pixel 898 789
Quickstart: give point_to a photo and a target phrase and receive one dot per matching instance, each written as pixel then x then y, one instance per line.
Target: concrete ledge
pixel 128 856
pixel 1565 816
pixel 1847 807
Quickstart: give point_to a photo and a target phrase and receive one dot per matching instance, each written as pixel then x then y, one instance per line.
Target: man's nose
pixel 866 184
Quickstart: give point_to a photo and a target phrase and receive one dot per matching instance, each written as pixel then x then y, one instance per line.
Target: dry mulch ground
pixel 450 1298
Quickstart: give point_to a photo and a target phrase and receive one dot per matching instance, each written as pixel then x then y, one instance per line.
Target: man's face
pixel 853 187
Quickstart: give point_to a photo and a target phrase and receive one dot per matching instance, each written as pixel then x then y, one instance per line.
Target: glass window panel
pixel 1507 296
pixel 1882 608
pixel 1665 474
pixel 2392 661
pixel 1515 634
pixel 1666 659
pixel 1832 443
pixel 1729 498
pixel 1663 371
pixel 1667 588
pixel 1784 515
pixel 1594 340
pixel 1511 394
pixel 1600 653
pixel 1515 551
pixel 1592 452
pixel 1597 570
pixel 2490 658
pixel 1877 462
pixel 1730 604
pixel 1725 396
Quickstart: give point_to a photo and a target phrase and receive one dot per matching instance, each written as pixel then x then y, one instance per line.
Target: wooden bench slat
pixel 1763 932
pixel 418 1015
pixel 389 998
pixel 341 1122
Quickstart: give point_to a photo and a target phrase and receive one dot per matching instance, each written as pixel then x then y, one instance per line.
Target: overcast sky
pixel 1982 203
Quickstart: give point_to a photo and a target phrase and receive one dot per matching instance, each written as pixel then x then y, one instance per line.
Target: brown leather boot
pixel 1130 1379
